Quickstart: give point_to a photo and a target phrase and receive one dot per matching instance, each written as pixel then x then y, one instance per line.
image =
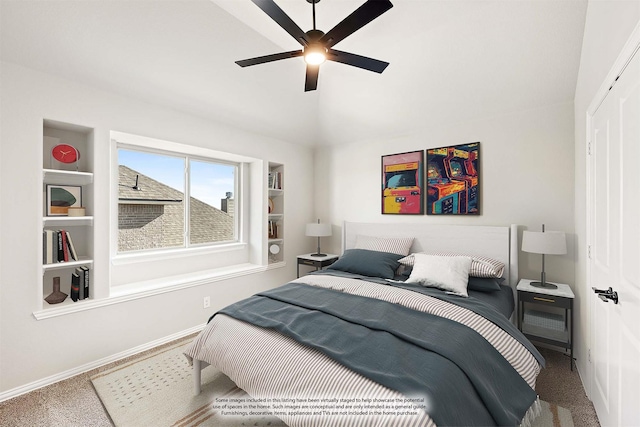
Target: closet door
pixel 614 208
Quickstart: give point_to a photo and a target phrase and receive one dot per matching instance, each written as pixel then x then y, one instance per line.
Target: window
pixel 179 214
pixel 174 200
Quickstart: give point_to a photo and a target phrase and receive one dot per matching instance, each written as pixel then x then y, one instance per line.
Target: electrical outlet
pixel 207 302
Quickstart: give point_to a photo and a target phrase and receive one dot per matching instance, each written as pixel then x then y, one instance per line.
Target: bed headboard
pixel 499 243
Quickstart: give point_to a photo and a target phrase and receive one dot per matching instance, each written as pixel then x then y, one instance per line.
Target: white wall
pixel 526 172
pixel 608 26
pixel 33 350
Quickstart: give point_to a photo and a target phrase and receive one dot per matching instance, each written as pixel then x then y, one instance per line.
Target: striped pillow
pixel 394 245
pixel 480 266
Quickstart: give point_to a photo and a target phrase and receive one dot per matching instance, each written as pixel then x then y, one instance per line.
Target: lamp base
pixel 544 285
pixel 318 254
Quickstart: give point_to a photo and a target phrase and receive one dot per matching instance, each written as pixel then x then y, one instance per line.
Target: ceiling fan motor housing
pixel 315 35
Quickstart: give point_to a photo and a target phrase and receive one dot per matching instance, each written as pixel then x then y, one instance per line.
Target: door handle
pixel 607 295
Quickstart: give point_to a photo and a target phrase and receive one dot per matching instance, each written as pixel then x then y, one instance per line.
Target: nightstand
pixel 318 262
pixel 546 315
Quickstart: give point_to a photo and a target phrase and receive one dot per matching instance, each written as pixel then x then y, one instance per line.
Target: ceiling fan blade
pixel 357 60
pixel 273 10
pixel 311 81
pixel 358 19
pixel 269 58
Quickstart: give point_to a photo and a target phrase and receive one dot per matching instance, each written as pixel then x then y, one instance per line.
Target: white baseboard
pixel 10 394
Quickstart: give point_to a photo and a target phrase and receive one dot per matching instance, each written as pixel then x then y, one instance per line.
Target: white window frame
pixel 156 146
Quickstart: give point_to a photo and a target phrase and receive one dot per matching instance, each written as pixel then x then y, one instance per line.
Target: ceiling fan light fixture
pixel 315 55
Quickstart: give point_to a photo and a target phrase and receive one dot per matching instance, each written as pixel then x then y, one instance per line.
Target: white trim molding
pixel 18 391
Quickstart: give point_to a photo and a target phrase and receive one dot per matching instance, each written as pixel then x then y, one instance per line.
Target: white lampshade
pixel 318 230
pixel 547 243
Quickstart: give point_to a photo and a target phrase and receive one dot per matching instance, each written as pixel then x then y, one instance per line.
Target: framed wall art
pixel 453 180
pixel 402 181
pixel 61 197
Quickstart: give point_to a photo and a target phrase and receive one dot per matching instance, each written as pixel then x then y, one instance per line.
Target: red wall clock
pixel 65 153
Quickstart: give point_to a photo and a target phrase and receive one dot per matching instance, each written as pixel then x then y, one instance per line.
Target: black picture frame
pixel 453 180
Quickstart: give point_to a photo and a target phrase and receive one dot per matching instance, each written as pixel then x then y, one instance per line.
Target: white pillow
pixel 449 273
pixel 394 245
pixel 480 266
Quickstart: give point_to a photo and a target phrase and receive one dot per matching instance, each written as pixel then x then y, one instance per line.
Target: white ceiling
pixel 451 61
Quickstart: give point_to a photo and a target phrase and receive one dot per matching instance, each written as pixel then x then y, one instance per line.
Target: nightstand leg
pixel 520 314
pixel 571 338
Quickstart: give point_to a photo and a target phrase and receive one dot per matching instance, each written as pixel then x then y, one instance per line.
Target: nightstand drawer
pixel 544 299
pixel 315 261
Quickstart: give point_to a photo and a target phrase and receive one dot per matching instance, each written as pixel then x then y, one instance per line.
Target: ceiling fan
pixel 317 45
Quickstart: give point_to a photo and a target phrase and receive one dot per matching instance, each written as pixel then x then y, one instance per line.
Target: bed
pixel 372 342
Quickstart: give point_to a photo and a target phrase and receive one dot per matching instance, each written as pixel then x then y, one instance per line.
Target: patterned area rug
pixel 553 415
pixel 157 390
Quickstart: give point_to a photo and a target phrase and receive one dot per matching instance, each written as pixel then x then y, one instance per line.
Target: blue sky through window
pixel 209 181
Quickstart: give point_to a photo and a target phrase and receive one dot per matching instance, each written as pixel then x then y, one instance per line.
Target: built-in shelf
pixel 62 177
pixel 69 264
pixel 275 217
pixel 78 228
pixel 68 221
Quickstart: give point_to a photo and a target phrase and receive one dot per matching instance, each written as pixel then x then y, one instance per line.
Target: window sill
pixel 154 287
pixel 277 264
pixel 164 254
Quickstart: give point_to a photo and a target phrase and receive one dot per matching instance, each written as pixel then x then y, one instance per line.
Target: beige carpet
pixel 157 390
pixel 558 384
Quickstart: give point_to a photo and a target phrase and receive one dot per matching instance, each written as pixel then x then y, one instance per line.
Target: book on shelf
pixel 273 229
pixel 85 271
pixel 48 246
pixel 57 247
pixel 51 245
pixel 64 249
pixel 72 249
pixel 275 180
pixel 60 254
pixel 80 273
pixel 75 287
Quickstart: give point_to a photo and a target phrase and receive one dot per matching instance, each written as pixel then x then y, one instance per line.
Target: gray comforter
pixel 462 377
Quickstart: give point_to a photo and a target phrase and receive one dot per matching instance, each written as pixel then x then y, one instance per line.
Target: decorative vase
pixel 56 296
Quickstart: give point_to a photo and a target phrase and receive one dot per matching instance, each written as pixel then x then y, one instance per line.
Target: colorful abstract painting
pixel 453 181
pixel 402 181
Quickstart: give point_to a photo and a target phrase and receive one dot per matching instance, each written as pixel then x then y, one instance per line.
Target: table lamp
pixel 545 243
pixel 318 230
